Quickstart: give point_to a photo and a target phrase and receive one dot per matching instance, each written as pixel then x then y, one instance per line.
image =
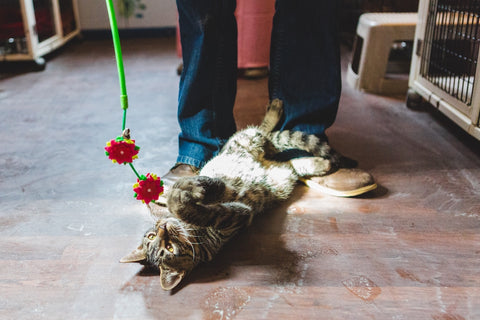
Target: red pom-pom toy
pixel 121 150
pixel 148 188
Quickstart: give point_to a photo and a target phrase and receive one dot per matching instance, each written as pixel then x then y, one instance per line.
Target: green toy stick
pixel 118 56
pixel 122 149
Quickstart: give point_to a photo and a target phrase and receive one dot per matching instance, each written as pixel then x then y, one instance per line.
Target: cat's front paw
pixel 187 193
pixel 184 193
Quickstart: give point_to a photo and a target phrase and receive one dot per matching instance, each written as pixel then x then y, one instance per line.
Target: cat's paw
pixel 310 166
pixel 187 193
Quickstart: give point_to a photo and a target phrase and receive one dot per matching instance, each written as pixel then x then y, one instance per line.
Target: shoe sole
pixel 338 193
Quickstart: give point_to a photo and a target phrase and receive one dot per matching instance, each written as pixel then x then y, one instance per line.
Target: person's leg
pixel 306 76
pixel 305 64
pixel 208 82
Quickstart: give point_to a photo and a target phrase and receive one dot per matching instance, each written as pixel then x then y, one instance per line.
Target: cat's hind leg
pixel 310 166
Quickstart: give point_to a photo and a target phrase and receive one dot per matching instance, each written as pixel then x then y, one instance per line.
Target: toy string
pixel 135 171
pixel 121 71
pixel 118 56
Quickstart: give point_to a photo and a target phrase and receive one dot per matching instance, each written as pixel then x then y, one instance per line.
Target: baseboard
pixel 100 34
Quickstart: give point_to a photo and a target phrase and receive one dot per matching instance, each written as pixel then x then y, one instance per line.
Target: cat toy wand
pixel 122 149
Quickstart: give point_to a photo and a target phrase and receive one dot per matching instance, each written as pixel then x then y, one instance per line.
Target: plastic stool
pixel 376 33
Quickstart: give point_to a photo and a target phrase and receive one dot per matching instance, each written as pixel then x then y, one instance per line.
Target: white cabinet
pixel 29 29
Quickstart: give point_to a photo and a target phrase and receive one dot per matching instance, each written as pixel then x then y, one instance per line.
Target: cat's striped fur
pixel 256 169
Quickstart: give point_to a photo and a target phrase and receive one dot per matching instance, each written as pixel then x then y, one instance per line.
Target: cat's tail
pixel 272 116
pixel 291 144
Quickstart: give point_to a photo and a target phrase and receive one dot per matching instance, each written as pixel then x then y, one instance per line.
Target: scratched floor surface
pixel 409 250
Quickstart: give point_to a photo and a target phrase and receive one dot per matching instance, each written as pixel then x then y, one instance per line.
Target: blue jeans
pixel 304 71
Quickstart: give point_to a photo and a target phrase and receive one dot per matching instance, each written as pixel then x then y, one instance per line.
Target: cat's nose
pixel 162 229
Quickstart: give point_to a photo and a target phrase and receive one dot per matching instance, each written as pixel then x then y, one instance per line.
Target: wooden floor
pixel 409 250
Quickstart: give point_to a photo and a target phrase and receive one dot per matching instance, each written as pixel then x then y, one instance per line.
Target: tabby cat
pixel 256 169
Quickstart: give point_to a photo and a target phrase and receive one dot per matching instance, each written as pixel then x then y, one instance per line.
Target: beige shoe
pixel 178 171
pixel 343 183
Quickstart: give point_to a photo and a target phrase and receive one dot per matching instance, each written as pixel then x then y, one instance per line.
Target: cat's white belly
pixel 279 179
pixel 232 167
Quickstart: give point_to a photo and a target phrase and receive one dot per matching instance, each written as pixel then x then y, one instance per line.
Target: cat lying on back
pixel 253 172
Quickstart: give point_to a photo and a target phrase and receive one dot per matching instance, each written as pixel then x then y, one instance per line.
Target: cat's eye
pixel 151 236
pixel 169 248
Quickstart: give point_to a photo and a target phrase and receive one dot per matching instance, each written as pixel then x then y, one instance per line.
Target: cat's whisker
pixel 193 250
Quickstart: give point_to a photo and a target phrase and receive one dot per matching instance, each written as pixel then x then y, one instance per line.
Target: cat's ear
pixel 137 255
pixel 170 278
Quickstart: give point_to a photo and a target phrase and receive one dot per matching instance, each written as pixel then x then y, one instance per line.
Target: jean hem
pixel 190 161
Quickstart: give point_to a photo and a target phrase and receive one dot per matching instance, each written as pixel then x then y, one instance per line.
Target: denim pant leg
pixel 305 64
pixel 208 82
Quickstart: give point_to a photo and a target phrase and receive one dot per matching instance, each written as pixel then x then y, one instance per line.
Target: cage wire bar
pixel 451 46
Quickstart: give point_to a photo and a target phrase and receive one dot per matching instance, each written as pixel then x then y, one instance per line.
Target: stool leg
pixel 373 65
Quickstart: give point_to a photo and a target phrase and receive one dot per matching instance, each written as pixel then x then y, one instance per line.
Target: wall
pixel 157 14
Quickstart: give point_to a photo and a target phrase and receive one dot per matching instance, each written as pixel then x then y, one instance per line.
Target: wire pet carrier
pixel 445 69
